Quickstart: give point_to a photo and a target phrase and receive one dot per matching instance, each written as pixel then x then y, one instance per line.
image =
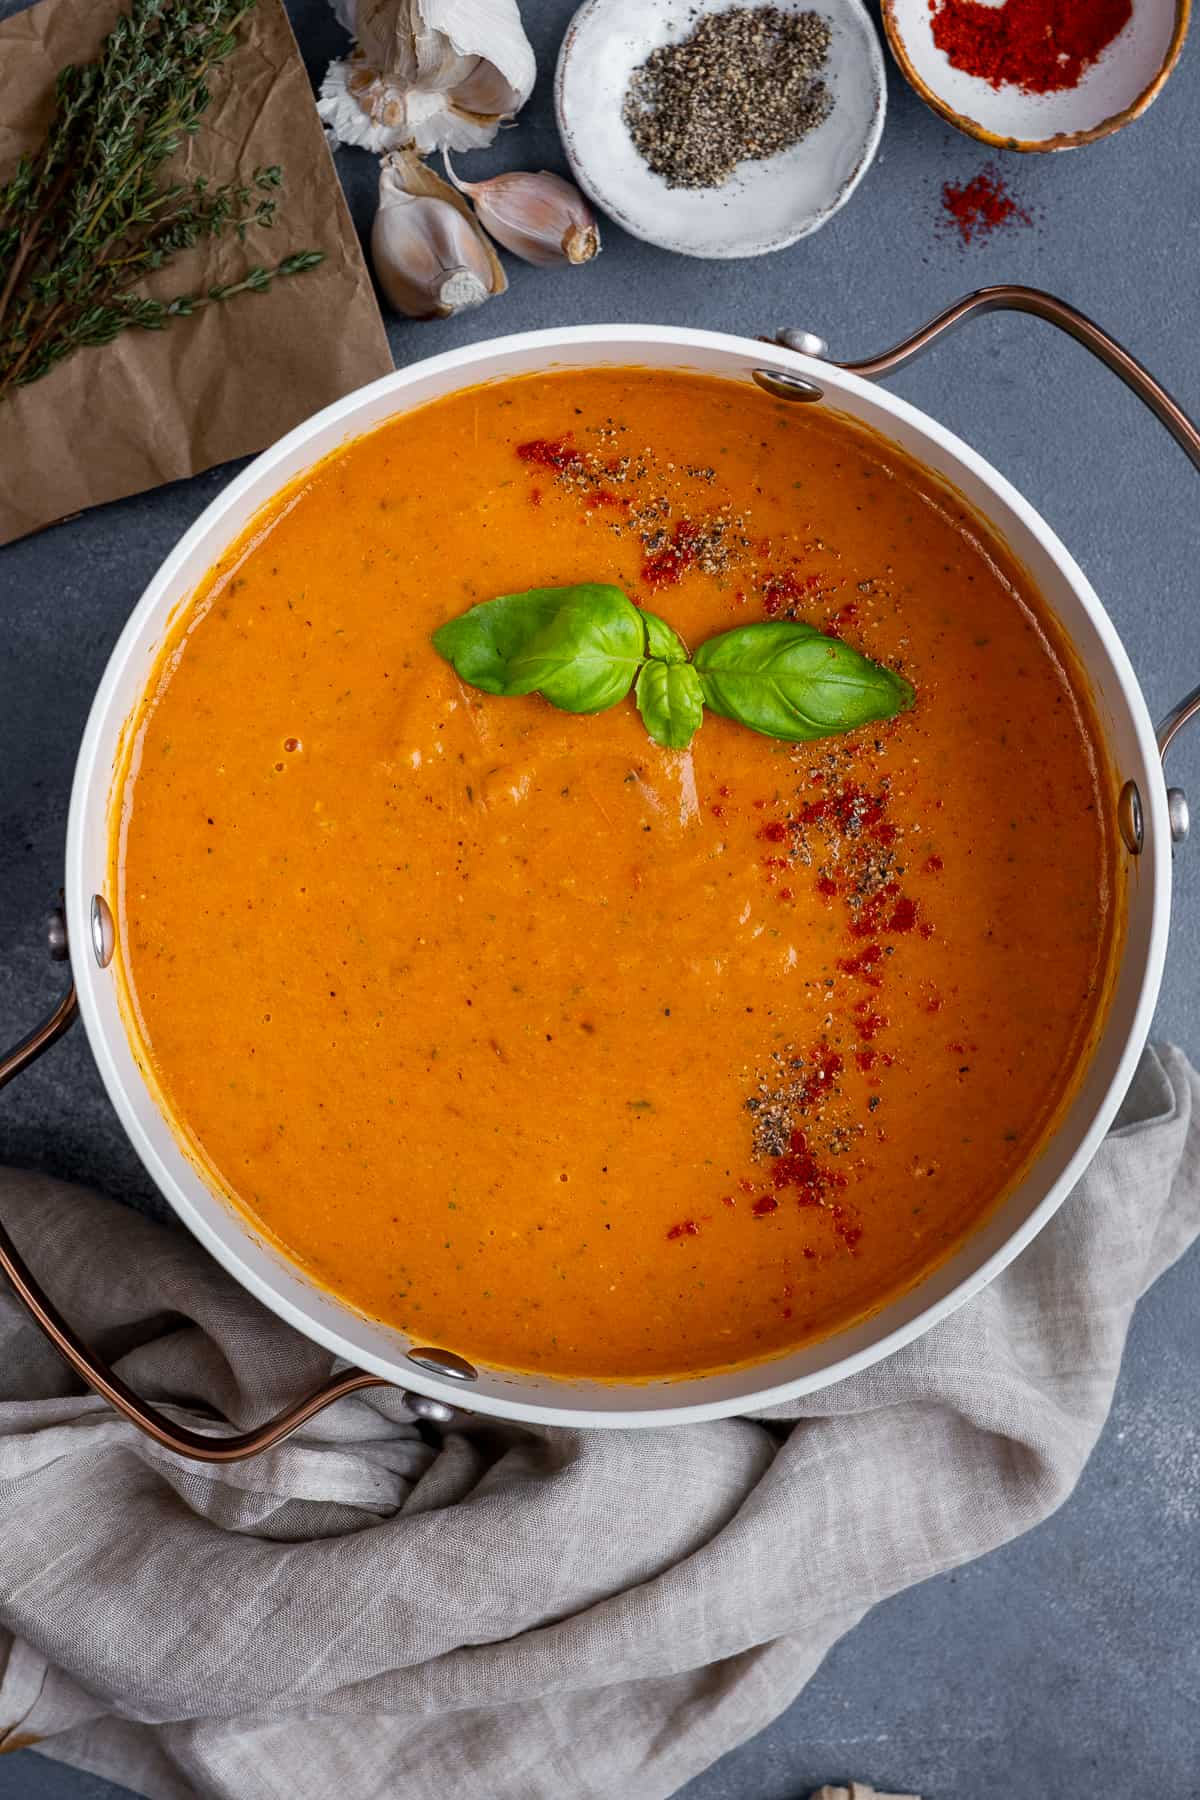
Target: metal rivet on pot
pixel 436 1412
pixel 786 387
pixel 1178 814
pixel 806 342
pixel 104 937
pixel 56 935
pixel 1129 818
pixel 444 1362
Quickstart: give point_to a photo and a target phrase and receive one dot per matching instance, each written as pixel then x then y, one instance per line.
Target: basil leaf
pixel 662 640
pixel 790 681
pixel 670 702
pixel 578 646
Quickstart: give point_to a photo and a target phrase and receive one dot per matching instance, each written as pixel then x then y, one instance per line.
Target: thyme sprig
pixel 87 216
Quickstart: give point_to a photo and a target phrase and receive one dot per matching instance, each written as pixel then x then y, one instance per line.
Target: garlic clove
pixel 538 216
pixel 422 254
pixel 430 257
pixel 407 172
pixel 486 92
pixel 431 73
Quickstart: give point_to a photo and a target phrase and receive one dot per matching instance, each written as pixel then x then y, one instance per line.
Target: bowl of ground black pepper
pixel 720 130
pixel 1037 74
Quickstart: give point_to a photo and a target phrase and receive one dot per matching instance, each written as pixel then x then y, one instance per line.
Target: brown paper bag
pixel 157 405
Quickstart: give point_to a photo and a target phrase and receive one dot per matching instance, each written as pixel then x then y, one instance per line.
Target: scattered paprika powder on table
pixel 982 205
pixel 1040 46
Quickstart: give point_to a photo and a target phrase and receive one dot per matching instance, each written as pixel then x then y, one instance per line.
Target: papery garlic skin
pixel 430 258
pixel 539 217
pixel 432 73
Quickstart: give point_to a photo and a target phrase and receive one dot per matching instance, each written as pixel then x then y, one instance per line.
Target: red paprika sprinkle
pixel 845 615
pixel 827 1065
pixel 1040 46
pixel 549 453
pixel 871 1024
pixel 846 1227
pixel 667 566
pixel 685 1228
pixel 783 591
pixel 904 915
pixel 863 963
pixel 980 206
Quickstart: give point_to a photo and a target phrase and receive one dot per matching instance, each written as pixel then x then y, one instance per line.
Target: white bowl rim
pixel 781 241
pixel 91 787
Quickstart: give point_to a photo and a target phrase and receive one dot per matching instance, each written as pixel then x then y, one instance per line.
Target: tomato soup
pixel 558 1049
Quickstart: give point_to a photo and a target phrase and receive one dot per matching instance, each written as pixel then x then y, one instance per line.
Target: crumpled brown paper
pixel 155 406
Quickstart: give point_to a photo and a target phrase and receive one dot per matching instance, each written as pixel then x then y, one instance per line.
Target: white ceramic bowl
pixel 368 1345
pixel 764 205
pixel 1118 86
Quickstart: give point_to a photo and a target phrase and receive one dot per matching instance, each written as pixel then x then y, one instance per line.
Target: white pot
pixel 384 1352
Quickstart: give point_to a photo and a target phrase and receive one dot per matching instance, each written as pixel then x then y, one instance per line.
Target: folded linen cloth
pixel 510 1611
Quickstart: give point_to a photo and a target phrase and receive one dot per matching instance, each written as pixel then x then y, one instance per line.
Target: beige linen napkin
pixel 511 1613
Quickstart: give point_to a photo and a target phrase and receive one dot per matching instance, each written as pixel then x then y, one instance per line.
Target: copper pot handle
pixel 105 1381
pixel 1008 298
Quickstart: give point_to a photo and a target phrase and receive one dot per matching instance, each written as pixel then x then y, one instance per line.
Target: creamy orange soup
pixel 558 1049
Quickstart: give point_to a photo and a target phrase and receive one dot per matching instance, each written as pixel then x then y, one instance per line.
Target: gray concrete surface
pixel 1066 1665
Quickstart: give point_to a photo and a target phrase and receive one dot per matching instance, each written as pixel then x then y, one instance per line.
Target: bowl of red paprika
pixel 1037 74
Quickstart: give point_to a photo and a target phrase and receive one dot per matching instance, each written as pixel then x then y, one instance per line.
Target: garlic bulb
pixel 538 216
pixel 434 73
pixel 431 258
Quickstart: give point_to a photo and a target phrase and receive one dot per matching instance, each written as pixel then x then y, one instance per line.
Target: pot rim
pixel 92 787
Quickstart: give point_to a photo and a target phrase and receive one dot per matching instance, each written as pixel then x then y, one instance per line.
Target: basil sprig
pixel 584 647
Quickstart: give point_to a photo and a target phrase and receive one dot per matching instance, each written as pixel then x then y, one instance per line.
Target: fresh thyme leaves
pixel 583 647
pixel 85 218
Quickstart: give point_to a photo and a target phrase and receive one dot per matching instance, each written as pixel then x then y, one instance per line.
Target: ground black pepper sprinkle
pixel 775 1107
pixel 608 481
pixel 801 1092
pixel 743 85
